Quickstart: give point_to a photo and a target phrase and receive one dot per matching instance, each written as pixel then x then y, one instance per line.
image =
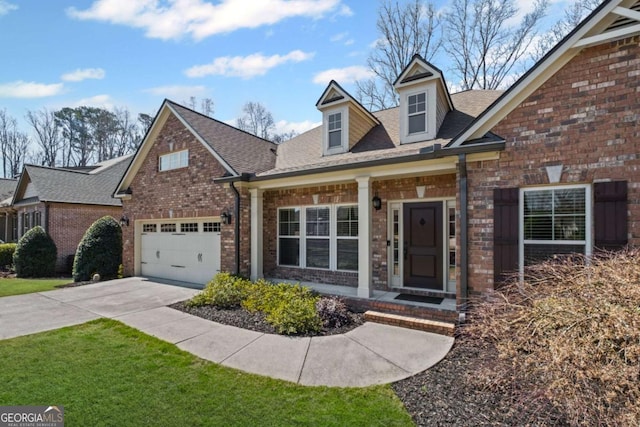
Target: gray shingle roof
pixel 241 150
pixel 66 186
pixel 304 152
pixel 7 188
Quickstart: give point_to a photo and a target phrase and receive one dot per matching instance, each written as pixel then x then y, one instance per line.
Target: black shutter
pixel 610 215
pixel 505 232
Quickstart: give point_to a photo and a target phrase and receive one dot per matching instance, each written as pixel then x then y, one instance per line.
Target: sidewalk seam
pixel 304 360
pixel 378 354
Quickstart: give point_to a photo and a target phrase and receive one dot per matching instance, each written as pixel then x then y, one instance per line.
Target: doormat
pixel 419 298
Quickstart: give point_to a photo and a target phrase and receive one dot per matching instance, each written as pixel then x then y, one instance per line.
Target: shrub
pixel 224 291
pixel 6 254
pixel 570 333
pixel 99 251
pixel 289 308
pixel 333 312
pixel 35 254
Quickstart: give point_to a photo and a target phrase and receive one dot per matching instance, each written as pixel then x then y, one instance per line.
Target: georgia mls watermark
pixel 31 416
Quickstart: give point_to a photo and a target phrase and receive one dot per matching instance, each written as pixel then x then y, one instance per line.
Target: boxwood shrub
pixel 99 251
pixel 6 254
pixel 224 291
pixel 35 254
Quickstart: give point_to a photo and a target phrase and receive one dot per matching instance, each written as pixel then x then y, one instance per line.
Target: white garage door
pixel 185 250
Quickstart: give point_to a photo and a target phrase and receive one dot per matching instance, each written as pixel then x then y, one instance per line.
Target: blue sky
pixel 135 53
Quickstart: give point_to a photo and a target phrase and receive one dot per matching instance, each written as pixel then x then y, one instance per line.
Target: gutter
pixel 464 235
pixel 237 227
pixel 427 153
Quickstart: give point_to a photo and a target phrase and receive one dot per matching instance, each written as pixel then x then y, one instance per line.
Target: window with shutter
pixel 505 232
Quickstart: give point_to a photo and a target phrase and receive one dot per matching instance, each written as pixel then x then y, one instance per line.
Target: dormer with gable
pixel 344 120
pixel 424 101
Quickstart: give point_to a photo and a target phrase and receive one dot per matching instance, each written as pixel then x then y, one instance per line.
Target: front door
pixel 423 245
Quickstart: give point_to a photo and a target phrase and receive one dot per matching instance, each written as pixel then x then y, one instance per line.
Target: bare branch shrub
pixel 569 333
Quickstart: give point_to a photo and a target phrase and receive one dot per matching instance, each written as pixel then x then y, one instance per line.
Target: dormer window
pixel 417 113
pixel 335 130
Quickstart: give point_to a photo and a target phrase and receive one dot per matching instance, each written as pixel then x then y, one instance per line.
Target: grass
pixel 106 373
pixel 14 286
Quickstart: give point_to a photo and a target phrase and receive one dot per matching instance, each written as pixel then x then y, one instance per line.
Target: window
pixel 167 228
pixel 347 238
pixel 211 227
pixel 289 236
pixel 317 233
pixel 189 227
pixel 149 228
pixel 555 221
pixel 417 113
pixel 179 159
pixel 328 240
pixel 335 130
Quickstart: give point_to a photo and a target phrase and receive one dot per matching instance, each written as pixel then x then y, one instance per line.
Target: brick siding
pixel 585 117
pixel 185 193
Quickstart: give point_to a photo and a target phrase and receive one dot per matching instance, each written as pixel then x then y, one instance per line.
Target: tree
pixel 573 15
pixel 404 31
pixel 484 43
pixel 205 107
pixel 144 122
pixel 35 254
pixel 47 135
pixel 99 251
pixel 284 136
pixel 14 145
pixel 256 120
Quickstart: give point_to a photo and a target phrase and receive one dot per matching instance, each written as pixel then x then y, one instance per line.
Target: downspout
pixel 464 234
pixel 237 227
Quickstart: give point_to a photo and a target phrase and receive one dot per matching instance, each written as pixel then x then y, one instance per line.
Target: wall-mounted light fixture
pixel 225 216
pixel 124 221
pixel 377 202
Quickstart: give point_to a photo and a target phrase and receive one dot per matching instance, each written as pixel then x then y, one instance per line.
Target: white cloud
pixel 200 19
pixel 83 74
pixel 22 89
pixel 339 36
pixel 177 92
pixel 246 66
pixel 98 101
pixel 6 7
pixel 283 126
pixel 343 75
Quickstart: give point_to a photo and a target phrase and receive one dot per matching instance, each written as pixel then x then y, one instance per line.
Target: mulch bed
pixel 241 318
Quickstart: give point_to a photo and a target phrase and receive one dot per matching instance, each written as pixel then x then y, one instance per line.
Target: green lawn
pixel 106 373
pixel 27 286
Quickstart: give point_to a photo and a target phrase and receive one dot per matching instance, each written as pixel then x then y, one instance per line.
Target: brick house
pixel 438 197
pixel 65 202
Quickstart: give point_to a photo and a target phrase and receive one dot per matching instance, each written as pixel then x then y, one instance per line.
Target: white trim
pixel 588 221
pixel 627 13
pixel 257 227
pixel 364 237
pixel 344 130
pixel 609 35
pixel 170 156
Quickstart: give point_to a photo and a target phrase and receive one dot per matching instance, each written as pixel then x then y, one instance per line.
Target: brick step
pixel 403 309
pixel 434 326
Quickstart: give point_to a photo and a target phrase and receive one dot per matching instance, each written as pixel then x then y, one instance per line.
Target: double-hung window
pixel 555 221
pixel 176 160
pixel 335 131
pixel 417 113
pixel 328 238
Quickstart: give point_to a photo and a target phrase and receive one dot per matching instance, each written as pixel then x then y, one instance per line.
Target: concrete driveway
pixel 370 354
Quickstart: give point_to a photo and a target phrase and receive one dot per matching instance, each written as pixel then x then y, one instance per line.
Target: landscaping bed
pixel 242 318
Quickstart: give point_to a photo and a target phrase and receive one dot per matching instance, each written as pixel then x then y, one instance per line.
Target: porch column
pixel 364 237
pixel 256 233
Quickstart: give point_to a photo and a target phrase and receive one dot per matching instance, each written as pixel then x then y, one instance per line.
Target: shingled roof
pixel 92 187
pixel 7 188
pixel 242 151
pixel 304 152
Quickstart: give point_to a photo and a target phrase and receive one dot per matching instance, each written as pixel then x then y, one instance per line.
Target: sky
pixel 136 53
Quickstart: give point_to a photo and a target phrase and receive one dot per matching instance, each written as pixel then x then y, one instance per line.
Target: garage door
pixel 185 250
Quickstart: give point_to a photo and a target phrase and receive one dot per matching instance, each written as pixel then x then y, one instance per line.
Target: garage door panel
pixel 190 257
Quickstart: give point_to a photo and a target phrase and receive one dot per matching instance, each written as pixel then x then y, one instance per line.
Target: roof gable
pixel 612 20
pixel 335 95
pixel 418 70
pixel 236 150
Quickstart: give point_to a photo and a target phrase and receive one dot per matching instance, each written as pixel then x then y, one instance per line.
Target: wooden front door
pixel 423 247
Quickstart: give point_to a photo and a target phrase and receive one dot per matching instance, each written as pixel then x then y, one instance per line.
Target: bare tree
pixel 144 121
pixel 483 42
pixel 284 136
pixel 573 15
pixel 16 152
pixel 47 135
pixel 256 120
pixel 205 106
pixel 7 125
pixel 405 30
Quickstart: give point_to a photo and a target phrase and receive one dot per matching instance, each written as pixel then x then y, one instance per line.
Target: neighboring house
pixel 65 202
pixel 7 216
pixel 440 196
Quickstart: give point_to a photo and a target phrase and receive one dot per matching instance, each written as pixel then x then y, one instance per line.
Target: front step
pixel 427 325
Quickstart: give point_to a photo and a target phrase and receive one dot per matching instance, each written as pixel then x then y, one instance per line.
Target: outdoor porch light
pixel 225 217
pixel 377 202
pixel 124 221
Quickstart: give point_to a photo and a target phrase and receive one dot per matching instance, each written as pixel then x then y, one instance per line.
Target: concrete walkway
pixel 370 354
